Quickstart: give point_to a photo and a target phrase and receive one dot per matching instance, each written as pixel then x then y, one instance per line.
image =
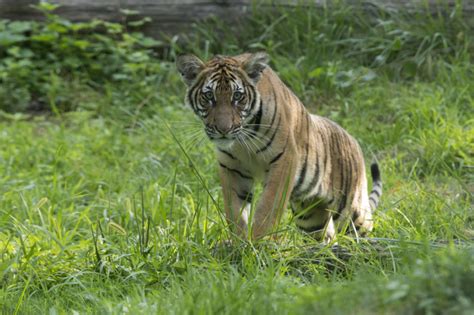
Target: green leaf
pixel 397 44
pixel 317 72
pixel 20 26
pixel 7 39
pixel 45 37
pixel 46 6
pixel 57 27
pixel 82 44
pixel 139 23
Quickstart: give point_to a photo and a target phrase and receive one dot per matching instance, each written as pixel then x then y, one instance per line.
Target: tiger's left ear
pixel 189 67
pixel 255 64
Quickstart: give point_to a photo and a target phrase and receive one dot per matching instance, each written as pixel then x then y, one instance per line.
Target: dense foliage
pixel 43 63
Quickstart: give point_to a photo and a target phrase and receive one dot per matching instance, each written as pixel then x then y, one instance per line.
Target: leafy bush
pixel 43 63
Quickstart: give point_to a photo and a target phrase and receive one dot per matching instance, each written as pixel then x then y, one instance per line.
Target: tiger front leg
pixel 237 191
pixel 274 198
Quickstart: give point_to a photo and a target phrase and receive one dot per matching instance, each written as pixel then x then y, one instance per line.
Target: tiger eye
pixel 237 96
pixel 208 95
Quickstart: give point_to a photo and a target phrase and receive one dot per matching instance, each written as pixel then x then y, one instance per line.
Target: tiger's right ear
pixel 189 67
pixel 255 64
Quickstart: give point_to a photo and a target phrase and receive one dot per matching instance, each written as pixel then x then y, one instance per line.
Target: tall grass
pixel 338 45
pixel 102 212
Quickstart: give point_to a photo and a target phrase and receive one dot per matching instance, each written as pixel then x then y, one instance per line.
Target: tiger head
pixel 223 93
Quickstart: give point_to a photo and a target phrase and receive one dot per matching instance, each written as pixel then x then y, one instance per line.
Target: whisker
pixel 251 134
pixel 192 137
pixel 189 142
pixel 259 134
pixel 262 141
pixel 187 129
pixel 188 133
pixel 195 142
pixel 243 143
pixel 251 141
pixel 251 144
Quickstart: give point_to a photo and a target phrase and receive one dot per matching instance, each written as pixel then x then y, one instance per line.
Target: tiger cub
pixel 262 131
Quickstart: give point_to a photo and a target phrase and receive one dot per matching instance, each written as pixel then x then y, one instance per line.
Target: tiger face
pixel 223 93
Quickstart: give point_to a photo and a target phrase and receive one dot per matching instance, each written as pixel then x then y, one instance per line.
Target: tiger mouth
pixel 227 138
pixel 231 136
pixel 223 143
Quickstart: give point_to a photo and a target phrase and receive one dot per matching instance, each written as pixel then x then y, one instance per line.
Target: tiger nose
pixel 224 127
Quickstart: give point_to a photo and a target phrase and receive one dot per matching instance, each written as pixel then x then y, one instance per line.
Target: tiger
pixel 262 133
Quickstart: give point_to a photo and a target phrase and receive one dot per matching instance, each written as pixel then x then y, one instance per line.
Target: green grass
pixel 101 212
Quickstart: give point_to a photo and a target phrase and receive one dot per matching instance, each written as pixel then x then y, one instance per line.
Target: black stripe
pixel 350 172
pixel 374 169
pixel 342 200
pixel 198 83
pixel 232 76
pixel 273 118
pixel 193 94
pixel 276 158
pixel 342 205
pixel 251 95
pixel 375 201
pixel 235 171
pixel 375 192
pixel 215 77
pixel 327 150
pixel 245 196
pixel 302 176
pixel 314 180
pixel 258 118
pixel 344 196
pixel 275 109
pixel 254 132
pixel 228 154
pixel 271 139
pixel 274 96
pixel 355 215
